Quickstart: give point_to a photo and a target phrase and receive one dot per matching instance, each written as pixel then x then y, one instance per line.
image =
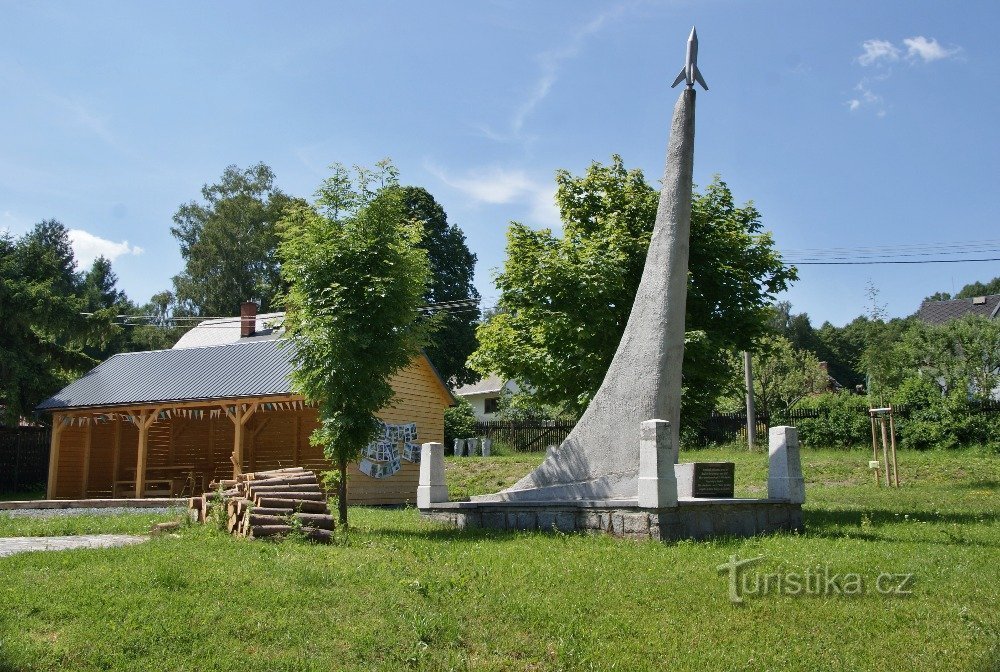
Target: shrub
pixel 843 421
pixel 459 422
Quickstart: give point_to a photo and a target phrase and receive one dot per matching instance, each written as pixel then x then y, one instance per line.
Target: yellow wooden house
pixel 167 422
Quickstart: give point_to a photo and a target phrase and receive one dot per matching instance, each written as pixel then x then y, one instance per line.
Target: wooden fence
pixel 525 436
pixel 24 459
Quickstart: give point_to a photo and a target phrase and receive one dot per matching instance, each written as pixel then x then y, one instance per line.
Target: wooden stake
pixel 892 435
pixel 885 448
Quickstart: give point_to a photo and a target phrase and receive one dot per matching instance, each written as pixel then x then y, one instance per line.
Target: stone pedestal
pixel 459 447
pixel 784 476
pixel 473 446
pixel 657 483
pixel 487 447
pixel 431 488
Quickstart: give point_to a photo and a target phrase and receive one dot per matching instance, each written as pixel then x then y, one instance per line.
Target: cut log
pixel 298 487
pixel 270 531
pixel 284 494
pixel 295 505
pixel 318 520
pixel 273 473
pixel 306 479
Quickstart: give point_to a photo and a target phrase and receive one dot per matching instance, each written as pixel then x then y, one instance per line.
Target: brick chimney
pixel 248 319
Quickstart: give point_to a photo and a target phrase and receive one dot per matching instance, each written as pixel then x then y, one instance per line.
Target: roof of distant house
pixel 223 330
pixel 489 385
pixel 939 312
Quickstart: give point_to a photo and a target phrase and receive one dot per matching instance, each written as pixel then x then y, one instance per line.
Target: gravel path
pixel 105 511
pixel 12 545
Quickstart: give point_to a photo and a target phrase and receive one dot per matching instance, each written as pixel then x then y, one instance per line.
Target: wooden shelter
pixel 167 422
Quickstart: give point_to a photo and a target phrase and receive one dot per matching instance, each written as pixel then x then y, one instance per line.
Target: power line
pixel 887 261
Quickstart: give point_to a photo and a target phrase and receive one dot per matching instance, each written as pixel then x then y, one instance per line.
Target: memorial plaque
pixel 713 479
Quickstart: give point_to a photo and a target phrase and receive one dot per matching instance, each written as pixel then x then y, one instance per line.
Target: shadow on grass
pixel 831 524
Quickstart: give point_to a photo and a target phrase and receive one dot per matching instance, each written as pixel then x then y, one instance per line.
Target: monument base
pixel 690 519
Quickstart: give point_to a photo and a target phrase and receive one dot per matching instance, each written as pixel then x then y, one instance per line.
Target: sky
pixel 849 125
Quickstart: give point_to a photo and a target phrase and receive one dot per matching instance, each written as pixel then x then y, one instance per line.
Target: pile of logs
pixel 269 504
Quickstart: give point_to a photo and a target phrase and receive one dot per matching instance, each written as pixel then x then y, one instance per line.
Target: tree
pixel 356 278
pixel 42 327
pixel 969 291
pixel 229 243
pixel 565 300
pixel 453 267
pixel 784 375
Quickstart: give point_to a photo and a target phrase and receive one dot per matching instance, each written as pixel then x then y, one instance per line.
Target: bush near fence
pixel 842 420
pixel 24 459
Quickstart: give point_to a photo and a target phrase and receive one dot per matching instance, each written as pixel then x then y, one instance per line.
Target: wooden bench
pixel 163 487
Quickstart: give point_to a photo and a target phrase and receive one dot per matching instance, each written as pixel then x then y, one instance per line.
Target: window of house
pixel 491 405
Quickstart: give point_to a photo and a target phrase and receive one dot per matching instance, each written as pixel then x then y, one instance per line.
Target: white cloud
pixel 878 51
pixel 927 49
pixel 498 186
pixel 87 247
pixel 550 64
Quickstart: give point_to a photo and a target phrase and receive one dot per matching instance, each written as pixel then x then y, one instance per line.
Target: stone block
pixel 565 521
pixel 526 520
pixel 431 488
pixel 494 520
pixel 546 520
pixel 784 475
pixel 657 483
pixel 589 520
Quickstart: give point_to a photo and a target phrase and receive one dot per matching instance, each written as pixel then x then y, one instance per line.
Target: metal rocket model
pixel 690 73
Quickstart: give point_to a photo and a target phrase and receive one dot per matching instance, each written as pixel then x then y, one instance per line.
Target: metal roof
pixel 939 312
pixel 489 385
pixel 221 331
pixel 249 368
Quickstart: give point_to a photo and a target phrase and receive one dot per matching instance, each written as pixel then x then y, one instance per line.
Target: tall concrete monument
pixel 600 457
pixel 616 472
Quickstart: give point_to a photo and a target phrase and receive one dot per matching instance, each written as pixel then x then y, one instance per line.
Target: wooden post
pixel 116 457
pixel 88 442
pixel 885 448
pixel 298 436
pixel 144 422
pixel 57 427
pixel 892 438
pixel 871 416
pixel 751 415
pixel 239 417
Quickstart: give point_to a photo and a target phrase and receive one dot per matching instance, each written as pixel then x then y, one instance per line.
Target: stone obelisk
pixel 599 460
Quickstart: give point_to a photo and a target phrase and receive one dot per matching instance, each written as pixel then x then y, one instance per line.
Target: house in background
pixel 166 422
pixel 485 395
pixel 939 312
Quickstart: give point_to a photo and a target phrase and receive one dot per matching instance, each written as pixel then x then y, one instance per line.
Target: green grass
pixel 58 525
pixel 401 593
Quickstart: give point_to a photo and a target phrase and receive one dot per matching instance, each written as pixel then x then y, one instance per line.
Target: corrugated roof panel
pixel 247 369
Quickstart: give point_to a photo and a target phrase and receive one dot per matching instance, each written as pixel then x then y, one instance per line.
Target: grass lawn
pixel 401 593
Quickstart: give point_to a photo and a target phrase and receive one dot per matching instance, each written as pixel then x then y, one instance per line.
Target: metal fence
pixel 525 436
pixel 24 458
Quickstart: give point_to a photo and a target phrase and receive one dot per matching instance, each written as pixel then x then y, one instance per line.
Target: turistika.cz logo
pixel 814 581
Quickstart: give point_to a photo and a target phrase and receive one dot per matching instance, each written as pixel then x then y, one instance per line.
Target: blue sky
pixel 848 124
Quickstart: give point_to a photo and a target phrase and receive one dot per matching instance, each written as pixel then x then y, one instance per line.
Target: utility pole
pixel 751 416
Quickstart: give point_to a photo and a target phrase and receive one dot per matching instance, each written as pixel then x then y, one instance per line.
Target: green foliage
pixel 844 422
pixel 229 243
pixel 356 277
pixel 43 333
pixel 452 267
pixel 565 300
pixel 782 375
pixel 459 422
pixel 969 291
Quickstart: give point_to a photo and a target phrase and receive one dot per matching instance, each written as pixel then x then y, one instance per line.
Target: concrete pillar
pixel 431 488
pixel 459 447
pixel 487 447
pixel 657 482
pixel 784 475
pixel 473 445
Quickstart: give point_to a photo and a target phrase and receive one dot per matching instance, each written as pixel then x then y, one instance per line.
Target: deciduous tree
pixel 356 278
pixel 565 299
